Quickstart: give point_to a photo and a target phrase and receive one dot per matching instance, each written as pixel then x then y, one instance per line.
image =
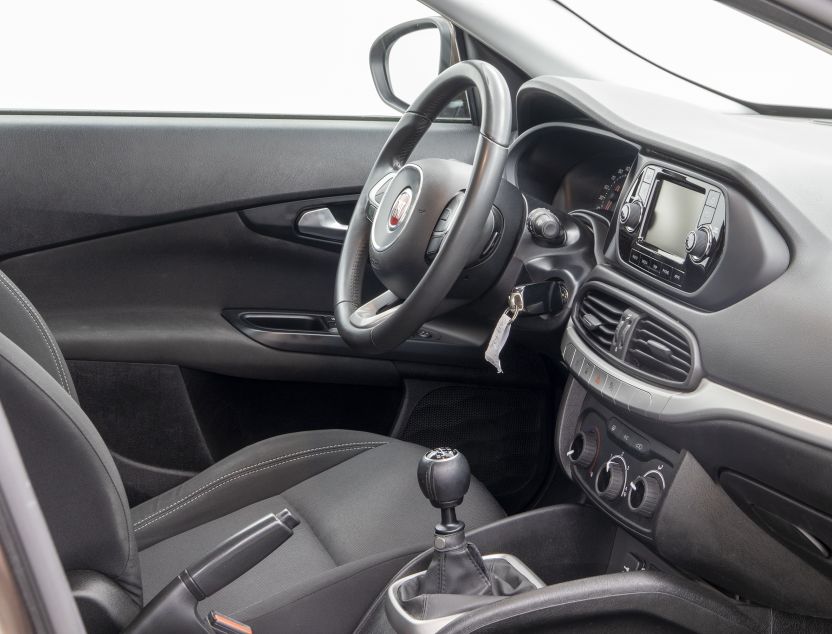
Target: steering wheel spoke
pixel 380 188
pixel 375 311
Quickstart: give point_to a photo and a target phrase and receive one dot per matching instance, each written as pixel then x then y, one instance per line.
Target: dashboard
pixel 690 337
pixel 573 168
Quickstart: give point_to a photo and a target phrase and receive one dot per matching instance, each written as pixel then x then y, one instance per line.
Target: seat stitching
pixel 257 464
pixel 29 310
pixel 248 471
pixel 242 475
pixel 44 330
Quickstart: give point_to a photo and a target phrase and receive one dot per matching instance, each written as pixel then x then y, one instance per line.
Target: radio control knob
pixel 609 483
pixel 584 448
pixel 699 243
pixel 643 496
pixel 630 215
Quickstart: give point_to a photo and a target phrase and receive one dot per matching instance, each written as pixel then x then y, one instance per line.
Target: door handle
pixel 320 223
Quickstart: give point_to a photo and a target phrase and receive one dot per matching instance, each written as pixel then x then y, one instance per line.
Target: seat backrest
pixel 21 322
pixel 71 469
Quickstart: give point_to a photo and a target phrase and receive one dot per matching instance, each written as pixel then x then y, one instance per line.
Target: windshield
pixel 717 47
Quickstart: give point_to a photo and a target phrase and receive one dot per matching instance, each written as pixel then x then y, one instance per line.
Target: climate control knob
pixel 643 496
pixel 609 483
pixel 630 215
pixel 584 448
pixel 699 243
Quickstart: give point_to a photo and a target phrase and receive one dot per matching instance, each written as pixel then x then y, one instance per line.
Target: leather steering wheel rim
pixel 386 330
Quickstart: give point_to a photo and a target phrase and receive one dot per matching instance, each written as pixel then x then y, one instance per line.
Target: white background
pixel 310 57
pixel 275 56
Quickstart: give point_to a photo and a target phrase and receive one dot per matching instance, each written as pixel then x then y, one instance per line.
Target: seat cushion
pixel 361 511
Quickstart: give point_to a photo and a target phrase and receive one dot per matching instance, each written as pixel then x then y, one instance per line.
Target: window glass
pixel 269 57
pixel 718 47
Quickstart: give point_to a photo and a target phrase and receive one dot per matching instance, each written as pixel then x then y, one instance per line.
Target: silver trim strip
pixel 709 401
pixel 373 312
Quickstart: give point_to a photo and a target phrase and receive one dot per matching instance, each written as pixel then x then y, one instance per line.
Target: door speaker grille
pixel 505 434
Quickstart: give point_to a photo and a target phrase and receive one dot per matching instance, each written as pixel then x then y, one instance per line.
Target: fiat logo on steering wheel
pixel 400 209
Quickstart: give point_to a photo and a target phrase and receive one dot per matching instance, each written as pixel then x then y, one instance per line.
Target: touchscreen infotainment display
pixel 675 213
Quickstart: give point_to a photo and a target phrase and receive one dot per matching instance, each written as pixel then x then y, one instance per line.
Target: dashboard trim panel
pixel 709 401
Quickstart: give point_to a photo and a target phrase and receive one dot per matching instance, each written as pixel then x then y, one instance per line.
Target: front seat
pixel 356 494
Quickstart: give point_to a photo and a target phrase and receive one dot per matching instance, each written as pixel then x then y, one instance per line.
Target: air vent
pixel 599 314
pixel 659 351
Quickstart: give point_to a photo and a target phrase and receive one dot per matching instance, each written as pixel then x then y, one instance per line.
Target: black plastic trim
pixel 430 343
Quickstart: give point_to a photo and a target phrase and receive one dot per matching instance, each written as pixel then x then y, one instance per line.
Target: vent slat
pixel 681 353
pixel 660 332
pixel 607 311
pixel 652 365
pixel 674 366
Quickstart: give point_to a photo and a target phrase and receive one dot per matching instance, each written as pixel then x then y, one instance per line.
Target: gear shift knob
pixel 444 477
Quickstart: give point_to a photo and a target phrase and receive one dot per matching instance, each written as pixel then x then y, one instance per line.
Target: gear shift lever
pixel 457 578
pixel 457 566
pixel 444 477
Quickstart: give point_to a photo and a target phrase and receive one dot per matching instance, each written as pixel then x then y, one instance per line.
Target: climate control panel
pixel 623 470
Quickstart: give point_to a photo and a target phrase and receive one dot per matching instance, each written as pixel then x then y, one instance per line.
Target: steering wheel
pixel 404 207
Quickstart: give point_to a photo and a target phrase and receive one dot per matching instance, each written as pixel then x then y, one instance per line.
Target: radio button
pixel 649 174
pixel 713 198
pixel 707 215
pixel 644 191
pixel 634 256
pixel 665 272
pixel 677 277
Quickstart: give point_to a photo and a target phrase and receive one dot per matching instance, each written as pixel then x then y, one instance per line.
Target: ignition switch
pixel 543 298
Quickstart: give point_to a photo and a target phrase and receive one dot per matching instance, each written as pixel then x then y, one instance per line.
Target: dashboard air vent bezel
pixel 638 313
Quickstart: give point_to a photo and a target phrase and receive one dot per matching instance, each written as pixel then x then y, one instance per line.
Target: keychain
pixel 503 327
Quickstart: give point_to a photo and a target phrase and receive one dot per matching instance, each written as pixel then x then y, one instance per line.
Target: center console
pixel 558 568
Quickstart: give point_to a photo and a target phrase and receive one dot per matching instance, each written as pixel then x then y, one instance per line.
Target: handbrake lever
pixel 173 610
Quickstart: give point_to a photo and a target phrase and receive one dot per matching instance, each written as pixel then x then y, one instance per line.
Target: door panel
pixel 65 178
pixel 156 294
pixel 132 235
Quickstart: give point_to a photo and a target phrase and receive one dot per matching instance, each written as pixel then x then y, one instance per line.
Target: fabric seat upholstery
pixel 356 495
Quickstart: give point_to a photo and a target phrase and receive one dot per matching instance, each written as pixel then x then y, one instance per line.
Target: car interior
pixel 544 353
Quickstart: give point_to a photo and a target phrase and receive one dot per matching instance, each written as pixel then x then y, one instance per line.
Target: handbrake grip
pixel 238 554
pixel 173 610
